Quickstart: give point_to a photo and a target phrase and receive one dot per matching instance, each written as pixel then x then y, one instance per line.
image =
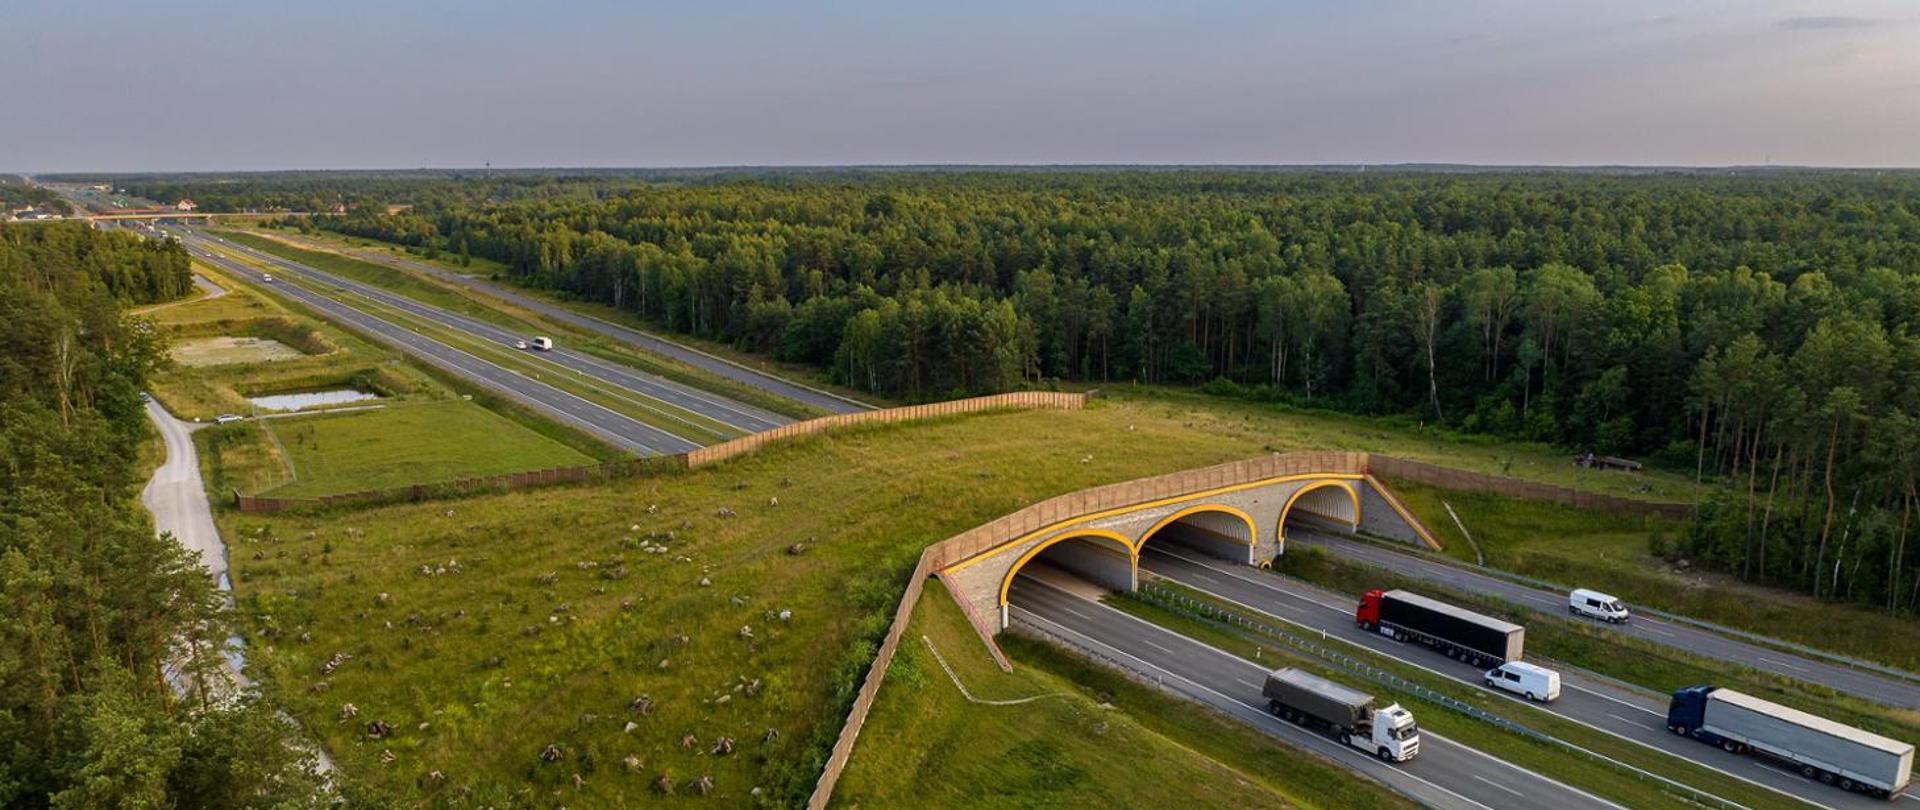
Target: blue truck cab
pixel 1688 710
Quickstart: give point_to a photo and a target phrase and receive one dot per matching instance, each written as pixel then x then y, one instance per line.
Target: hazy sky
pixel 262 84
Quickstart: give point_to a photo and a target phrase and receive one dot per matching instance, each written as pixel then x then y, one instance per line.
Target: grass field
pixel 1579 548
pixel 1281 427
pixel 408 444
pixel 925 745
pixel 526 641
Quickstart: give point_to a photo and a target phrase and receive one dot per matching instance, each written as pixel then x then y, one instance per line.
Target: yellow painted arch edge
pixel 985 554
pixel 1253 532
pixel 1133 554
pixel 1280 527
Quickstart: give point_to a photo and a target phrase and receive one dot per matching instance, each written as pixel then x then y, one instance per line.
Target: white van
pixel 1521 678
pixel 1597 605
pixel 543 343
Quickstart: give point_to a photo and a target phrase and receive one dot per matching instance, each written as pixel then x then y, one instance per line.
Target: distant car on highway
pixel 520 344
pixel 266 277
pixel 227 417
pixel 1531 681
pixel 543 343
pixel 1594 604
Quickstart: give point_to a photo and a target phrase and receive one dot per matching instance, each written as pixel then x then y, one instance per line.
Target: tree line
pixel 1761 329
pixel 105 620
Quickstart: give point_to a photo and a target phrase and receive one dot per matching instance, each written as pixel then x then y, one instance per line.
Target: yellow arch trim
pixel 1280 527
pixel 986 554
pixel 1253 532
pixel 1126 546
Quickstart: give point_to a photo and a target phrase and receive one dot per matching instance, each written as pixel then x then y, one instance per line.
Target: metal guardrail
pixel 1702 624
pixel 1160 596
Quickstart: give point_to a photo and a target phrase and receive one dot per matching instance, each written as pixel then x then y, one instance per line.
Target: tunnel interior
pixel 1075 560
pixel 1326 506
pixel 1214 531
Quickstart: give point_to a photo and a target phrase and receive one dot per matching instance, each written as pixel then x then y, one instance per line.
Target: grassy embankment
pixel 1573 767
pixel 1085 736
pixel 423 427
pixel 1584 645
pixel 331 258
pixel 526 642
pixel 681 422
pixel 378 251
pixel 1576 547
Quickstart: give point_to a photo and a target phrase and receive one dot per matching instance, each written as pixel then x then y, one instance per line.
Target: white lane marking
pixel 1077 613
pixel 1473 683
pixel 1498 762
pixel 1317 741
pixel 1498 785
pixel 1781 664
pixel 1249 684
pixel 1158 647
pixel 1623 719
pixel 1657 631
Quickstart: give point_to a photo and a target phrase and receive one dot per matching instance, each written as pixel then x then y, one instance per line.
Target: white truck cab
pixel 543 343
pixel 1394 732
pixel 1536 683
pixel 1597 605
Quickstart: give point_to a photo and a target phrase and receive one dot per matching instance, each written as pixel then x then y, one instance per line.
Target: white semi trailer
pixel 1851 758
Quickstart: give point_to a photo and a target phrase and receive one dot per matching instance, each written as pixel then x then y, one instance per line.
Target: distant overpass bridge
pixel 126 215
pixel 1239 512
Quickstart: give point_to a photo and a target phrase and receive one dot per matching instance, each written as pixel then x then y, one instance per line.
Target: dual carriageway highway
pixel 1447 773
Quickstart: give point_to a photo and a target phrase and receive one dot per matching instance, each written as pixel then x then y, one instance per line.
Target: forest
pixel 105 621
pixel 1757 328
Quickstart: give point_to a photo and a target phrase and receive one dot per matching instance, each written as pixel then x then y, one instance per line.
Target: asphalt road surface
pixel 832 403
pixel 1692 639
pixel 649 387
pixel 593 418
pixel 1630 714
pixel 1445 774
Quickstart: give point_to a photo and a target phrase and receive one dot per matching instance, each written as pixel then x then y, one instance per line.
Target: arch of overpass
pixel 1228 520
pixel 1330 501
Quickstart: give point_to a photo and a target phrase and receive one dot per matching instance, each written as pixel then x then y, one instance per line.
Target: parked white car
pixel 1534 682
pixel 227 417
pixel 1597 605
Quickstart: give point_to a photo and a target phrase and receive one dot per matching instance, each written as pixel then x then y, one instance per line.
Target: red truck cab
pixel 1368 614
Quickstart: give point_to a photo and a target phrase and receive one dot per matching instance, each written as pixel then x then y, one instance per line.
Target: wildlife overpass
pixel 1239 512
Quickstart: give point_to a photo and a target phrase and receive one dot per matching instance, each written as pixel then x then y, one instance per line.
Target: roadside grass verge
pixel 399 445
pixel 1283 427
pixel 374 271
pixel 678 421
pixel 1614 554
pixel 1086 738
pixel 1640 790
pixel 1581 644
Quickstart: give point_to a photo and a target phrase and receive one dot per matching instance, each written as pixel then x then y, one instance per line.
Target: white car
pixel 227 417
pixel 520 344
pixel 1597 605
pixel 1536 683
pixel 266 277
